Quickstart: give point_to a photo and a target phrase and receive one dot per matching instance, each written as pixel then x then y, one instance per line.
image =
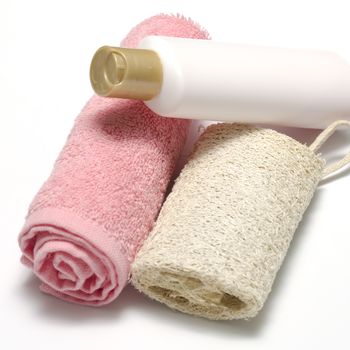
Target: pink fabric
pixel 86 223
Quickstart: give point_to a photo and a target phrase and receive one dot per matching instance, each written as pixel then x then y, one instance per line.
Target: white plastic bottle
pixel 200 79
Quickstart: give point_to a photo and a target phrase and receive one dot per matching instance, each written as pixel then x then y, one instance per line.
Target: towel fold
pixel 87 221
pixel 225 228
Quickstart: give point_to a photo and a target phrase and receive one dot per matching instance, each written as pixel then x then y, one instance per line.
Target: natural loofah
pixel 223 232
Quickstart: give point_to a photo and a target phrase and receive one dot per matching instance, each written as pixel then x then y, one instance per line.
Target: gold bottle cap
pixel 126 73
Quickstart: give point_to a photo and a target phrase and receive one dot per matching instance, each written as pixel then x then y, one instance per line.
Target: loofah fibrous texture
pixel 224 230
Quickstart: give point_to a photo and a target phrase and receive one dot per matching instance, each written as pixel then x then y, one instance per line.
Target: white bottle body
pixel 209 80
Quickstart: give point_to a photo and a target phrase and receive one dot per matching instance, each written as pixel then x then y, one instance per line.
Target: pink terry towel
pixel 89 218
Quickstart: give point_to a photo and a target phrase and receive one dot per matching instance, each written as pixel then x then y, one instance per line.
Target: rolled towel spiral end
pixel 75 268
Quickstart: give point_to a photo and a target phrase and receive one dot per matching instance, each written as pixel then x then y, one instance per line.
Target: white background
pixel 45 52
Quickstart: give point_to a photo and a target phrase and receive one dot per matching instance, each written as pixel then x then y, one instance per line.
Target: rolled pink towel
pixel 89 218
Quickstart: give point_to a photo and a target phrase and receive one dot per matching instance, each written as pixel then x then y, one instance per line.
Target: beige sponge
pixel 224 230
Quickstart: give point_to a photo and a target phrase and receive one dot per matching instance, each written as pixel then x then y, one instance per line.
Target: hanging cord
pixel 322 138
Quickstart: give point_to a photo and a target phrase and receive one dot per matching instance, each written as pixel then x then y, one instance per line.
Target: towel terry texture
pixel 85 224
pixel 224 230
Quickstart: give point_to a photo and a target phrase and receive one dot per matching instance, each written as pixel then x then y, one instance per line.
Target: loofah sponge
pixel 223 232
